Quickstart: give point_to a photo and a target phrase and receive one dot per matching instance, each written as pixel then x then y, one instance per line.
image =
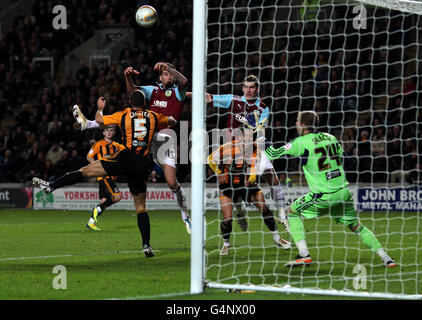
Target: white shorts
pixel 163 149
pixel 264 164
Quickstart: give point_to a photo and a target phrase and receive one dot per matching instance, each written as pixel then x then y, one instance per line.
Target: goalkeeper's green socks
pixel 297 231
pixel 368 238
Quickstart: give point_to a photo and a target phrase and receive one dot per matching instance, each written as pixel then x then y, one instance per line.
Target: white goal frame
pixel 197 280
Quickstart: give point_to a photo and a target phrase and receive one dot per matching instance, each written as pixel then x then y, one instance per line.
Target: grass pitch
pixel 109 264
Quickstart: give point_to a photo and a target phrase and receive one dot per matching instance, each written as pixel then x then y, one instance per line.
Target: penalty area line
pixel 72 255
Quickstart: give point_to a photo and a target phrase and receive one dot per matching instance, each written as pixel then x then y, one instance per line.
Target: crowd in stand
pixel 42 140
pixel 377 121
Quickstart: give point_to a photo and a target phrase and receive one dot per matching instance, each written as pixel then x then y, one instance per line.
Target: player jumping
pixel 238 108
pixel 326 179
pixel 138 127
pixel 165 98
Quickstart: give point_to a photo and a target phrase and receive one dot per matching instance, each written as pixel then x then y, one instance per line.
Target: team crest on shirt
pixel 168 93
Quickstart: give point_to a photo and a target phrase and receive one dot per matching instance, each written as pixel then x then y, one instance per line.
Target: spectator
pixel 414 176
pixel 378 144
pixel 63 164
pixel 342 87
pixel 75 161
pixel 55 153
pixel 7 166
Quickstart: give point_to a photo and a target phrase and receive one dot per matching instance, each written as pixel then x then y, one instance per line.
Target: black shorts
pixel 132 165
pixel 234 191
pixel 108 188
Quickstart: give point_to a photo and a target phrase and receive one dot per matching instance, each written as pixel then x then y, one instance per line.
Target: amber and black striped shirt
pixel 104 150
pixel 137 127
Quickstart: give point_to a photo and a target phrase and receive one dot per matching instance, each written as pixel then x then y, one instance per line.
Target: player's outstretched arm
pixel 294 148
pixel 128 79
pixel 208 97
pixel 101 102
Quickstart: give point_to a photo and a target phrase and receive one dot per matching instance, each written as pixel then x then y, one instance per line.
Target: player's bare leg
pixel 226 224
pixel 259 201
pixel 143 223
pixel 170 175
pixel 277 194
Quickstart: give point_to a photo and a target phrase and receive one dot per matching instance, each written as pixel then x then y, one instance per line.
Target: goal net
pixel 357 64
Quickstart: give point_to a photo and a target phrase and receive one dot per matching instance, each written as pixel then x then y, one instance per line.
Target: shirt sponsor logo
pixel 287 146
pixel 160 104
pixel 137 143
pixel 241 118
pixel 333 174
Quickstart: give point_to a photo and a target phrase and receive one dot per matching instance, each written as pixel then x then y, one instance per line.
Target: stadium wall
pixel 159 197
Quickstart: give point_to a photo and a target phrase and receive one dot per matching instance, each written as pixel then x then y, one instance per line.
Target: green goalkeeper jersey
pixel 321 160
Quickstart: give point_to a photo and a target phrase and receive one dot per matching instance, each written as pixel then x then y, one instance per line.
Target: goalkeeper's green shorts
pixel 338 204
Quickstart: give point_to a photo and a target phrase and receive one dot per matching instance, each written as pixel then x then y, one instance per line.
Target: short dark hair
pixel 137 99
pixel 251 78
pixel 310 119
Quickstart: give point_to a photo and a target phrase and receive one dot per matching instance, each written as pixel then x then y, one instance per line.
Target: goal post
pixel 357 64
pixel 197 163
pixel 409 6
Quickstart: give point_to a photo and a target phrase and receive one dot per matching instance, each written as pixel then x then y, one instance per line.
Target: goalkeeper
pixel 321 154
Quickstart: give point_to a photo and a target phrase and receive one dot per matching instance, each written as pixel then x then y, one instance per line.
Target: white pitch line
pixel 32 223
pixel 165 295
pixel 71 255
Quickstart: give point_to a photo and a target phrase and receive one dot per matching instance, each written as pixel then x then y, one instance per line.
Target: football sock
pixel 297 230
pixel 383 255
pixel 91 124
pixel 282 213
pixel 368 238
pixel 144 227
pixel 67 180
pixel 303 248
pixel 105 205
pixel 226 229
pixel 269 220
pixel 180 196
pixel 278 195
pixel 239 208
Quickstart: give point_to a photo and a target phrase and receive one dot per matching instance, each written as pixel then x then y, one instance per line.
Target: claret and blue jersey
pixel 168 102
pixel 238 108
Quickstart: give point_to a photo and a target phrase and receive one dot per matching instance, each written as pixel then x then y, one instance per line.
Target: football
pixel 146 16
